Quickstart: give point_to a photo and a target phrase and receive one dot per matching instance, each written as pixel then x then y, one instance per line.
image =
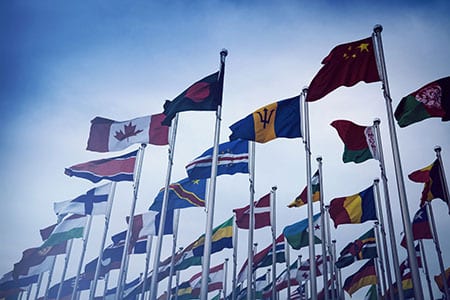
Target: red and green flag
pixel 302 199
pixel 431 100
pixel 359 141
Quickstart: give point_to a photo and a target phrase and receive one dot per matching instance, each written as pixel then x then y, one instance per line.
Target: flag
pixel 130 290
pixel 94 202
pixel 222 237
pixel 205 94
pixel 69 228
pixel 184 291
pixel 11 287
pixel 278 119
pixel 261 213
pixel 431 100
pixel 120 168
pixel 260 284
pixel 186 258
pixel 139 247
pixel 56 249
pixel 303 272
pixel 297 234
pixel 67 287
pixel 108 135
pixel 420 226
pixel 302 199
pixel 364 247
pixel 290 275
pixel 405 264
pixel 232 158
pixel 215 280
pixel 432 176
pixel 182 194
pixel 440 283
pixel 366 275
pixel 34 261
pixel 371 293
pixel 346 65
pixel 359 141
pixel 354 209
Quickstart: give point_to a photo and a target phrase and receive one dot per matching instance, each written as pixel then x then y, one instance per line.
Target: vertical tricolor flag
pixel 278 119
pixel 261 211
pixel 302 199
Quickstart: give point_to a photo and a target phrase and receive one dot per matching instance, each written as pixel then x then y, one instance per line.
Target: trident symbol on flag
pixel 266 119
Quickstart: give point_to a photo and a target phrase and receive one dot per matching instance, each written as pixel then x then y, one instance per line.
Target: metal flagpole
pixel 176 221
pixel 425 267
pixel 251 224
pixel 299 263
pixel 105 288
pixel 177 279
pixel 378 276
pixel 383 286
pixel 124 263
pixel 387 204
pixel 159 240
pixel 383 243
pixel 87 230
pixel 255 250
pixel 147 263
pixel 443 179
pixel 322 225
pixel 30 287
pixel 340 292
pixel 288 263
pixel 49 280
pixel 66 263
pixel 273 221
pixel 212 192
pixel 38 286
pixel 225 279
pixel 235 244
pixel 312 254
pixel 376 37
pixel 330 252
pixel 110 200
pixel 438 248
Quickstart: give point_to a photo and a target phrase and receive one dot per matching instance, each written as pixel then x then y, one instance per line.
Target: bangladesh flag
pixel 431 100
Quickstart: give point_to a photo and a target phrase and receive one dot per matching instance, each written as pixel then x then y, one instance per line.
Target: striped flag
pixel 261 211
pixel 69 228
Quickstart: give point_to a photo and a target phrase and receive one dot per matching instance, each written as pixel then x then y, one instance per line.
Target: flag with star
pixel 420 226
pixel 346 65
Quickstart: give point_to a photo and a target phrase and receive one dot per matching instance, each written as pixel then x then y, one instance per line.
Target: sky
pixel 62 64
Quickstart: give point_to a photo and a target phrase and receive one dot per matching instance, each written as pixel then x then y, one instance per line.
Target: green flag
pixel 297 234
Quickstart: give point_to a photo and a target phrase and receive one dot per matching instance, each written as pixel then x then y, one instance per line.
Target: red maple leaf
pixel 129 130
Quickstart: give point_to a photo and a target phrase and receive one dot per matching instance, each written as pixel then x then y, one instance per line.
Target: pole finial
pixel 305 90
pixel 274 188
pixel 376 180
pixel 437 148
pixel 319 159
pixel 224 52
pixel 376 121
pixel 377 28
pixel 377 223
pixel 333 241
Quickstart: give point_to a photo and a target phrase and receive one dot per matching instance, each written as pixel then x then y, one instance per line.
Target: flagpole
pixel 174 249
pixel 288 264
pixel 124 263
pixel 177 278
pixel 330 251
pixel 438 248
pixel 425 267
pixel 87 230
pixel 147 263
pixel 397 163
pixel 105 288
pixel 255 250
pixel 49 279
pixel 212 192
pixel 387 204
pixel 159 239
pixel 322 225
pixel 340 292
pixel 312 254
pixel 38 286
pixel 66 263
pixel 443 179
pixel 110 200
pixel 274 230
pixel 225 279
pixel 381 268
pixel 235 244
pixel 378 276
pixel 383 242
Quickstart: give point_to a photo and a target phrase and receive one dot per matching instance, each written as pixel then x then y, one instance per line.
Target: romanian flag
pixel 431 100
pixel 366 275
pixel 279 119
pixel 302 199
pixel 222 237
pixel 359 141
pixel 354 209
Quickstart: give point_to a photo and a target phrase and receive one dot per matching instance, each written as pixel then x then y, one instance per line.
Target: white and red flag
pixel 261 210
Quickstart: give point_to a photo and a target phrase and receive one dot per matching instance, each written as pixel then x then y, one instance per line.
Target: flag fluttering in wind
pixel 35 261
pixel 69 228
pixel 303 272
pixel 366 275
pixel 297 234
pixel 222 237
pixel 421 228
pixel 215 280
pixel 232 158
pixel 204 95
pixel 431 100
pixel 120 168
pixel 359 141
pixel 302 199
pixel 364 247
pixel 354 209
pixel 261 212
pixel 108 135
pixel 440 283
pixel 405 264
pixel 278 119
pixel 346 65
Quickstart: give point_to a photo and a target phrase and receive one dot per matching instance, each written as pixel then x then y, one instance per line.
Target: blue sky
pixel 62 64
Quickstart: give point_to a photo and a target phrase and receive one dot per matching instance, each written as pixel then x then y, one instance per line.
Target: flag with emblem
pixel 297 234
pixel 304 269
pixel 420 226
pixel 364 247
pixel 302 199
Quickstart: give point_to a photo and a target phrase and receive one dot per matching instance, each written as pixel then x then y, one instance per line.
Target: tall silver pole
pixel 381 241
pixel 387 205
pixel 66 263
pixel 147 264
pixel 438 248
pixel 323 231
pixel 110 200
pixel 274 237
pixel 381 277
pixel 378 275
pixel 105 288
pixel 425 267
pixel 87 230
pixel 443 179
pixel 49 280
pixel 124 263
pixel 340 291
pixel 177 278
pixel 255 250
pixel 225 279
pixel 288 264
pixel 251 220
pixel 331 253
pixel 38 286
pixel 176 220
pixel 235 245
pixel 159 240
pixel 299 263
pixel 212 193
pixel 397 163
pixel 312 254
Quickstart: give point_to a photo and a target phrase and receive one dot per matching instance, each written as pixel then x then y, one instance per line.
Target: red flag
pixel 346 65
pixel 262 214
pixel 420 226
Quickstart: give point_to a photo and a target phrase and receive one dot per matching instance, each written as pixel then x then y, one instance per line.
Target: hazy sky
pixel 63 63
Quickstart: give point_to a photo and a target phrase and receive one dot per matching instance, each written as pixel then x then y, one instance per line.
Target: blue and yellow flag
pixel 279 119
pixel 222 237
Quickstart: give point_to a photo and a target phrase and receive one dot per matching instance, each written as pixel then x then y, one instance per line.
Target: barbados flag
pixel 279 119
